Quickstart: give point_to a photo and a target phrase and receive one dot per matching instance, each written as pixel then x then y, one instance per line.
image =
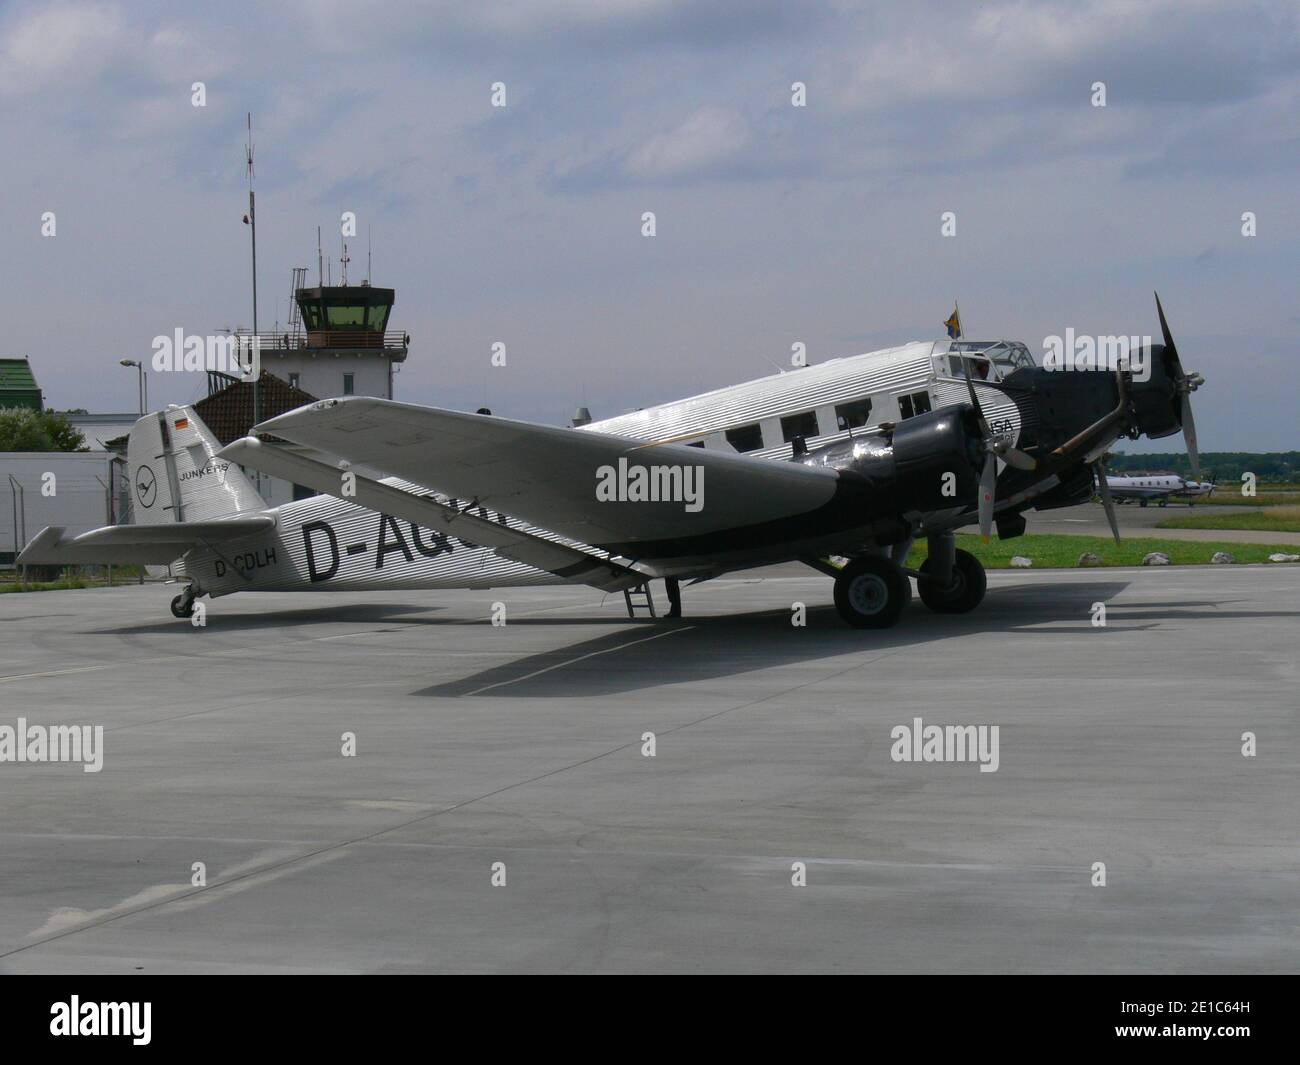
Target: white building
pixel 98 430
pixel 78 490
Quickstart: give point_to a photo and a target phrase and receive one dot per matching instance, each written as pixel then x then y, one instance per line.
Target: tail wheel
pixel 183 605
pixel 964 594
pixel 870 593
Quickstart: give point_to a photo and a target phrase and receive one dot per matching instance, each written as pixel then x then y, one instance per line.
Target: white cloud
pixel 709 138
pixel 68 43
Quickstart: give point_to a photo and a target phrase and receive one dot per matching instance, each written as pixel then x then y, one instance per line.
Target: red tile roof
pixel 229 413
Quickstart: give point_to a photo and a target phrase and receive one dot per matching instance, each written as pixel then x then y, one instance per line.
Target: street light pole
pixel 142 386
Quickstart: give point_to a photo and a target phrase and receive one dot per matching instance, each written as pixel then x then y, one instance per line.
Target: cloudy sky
pixel 775 224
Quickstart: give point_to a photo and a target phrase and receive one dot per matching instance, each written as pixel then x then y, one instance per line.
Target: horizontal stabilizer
pixel 136 544
pixel 513 543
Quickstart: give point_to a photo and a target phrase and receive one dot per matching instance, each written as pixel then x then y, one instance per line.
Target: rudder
pixel 176 474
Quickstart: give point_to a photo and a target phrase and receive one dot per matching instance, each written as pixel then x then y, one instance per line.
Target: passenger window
pixel 853 415
pixel 745 438
pixel 804 425
pixel 911 405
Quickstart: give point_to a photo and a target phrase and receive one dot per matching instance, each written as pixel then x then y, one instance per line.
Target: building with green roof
pixel 18 386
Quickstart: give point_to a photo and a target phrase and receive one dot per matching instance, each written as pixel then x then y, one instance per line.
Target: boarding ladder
pixel 639 598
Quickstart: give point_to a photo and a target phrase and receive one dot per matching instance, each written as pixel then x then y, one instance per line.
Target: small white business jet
pixel 1144 488
pixel 851 459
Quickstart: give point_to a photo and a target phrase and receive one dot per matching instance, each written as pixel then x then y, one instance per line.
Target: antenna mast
pixel 252 222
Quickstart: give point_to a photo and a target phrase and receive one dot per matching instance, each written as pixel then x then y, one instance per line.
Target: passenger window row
pixel 852 415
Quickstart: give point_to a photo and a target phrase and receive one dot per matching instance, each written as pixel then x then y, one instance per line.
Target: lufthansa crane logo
pixel 146 486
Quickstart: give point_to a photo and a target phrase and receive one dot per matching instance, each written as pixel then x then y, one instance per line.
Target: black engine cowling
pixel 929 463
pixel 938 458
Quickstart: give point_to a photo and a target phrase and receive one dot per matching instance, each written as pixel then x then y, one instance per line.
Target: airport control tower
pixel 338 342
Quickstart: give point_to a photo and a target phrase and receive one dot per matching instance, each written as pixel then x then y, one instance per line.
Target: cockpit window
pixel 1006 356
pixel 980 368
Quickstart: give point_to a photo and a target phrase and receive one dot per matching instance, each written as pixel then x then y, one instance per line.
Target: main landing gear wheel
pixel 183 604
pixel 870 593
pixel 966 591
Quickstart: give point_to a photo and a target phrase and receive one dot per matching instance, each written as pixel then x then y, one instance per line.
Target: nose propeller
pixel 995 447
pixel 1186 384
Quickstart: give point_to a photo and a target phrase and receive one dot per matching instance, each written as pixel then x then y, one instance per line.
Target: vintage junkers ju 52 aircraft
pixel 850 459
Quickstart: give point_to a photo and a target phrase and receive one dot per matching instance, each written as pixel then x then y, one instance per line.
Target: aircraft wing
pixel 581 567
pixel 135 544
pixel 548 476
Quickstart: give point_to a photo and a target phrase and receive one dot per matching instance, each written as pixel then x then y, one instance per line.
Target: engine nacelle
pixel 930 463
pixel 937 459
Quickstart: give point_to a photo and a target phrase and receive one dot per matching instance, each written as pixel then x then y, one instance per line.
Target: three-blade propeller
pixel 995 447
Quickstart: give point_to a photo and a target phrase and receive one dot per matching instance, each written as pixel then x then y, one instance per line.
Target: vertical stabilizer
pixel 176 476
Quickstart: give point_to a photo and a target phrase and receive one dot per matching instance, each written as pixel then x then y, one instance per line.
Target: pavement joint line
pixel 565 847
pixel 55 672
pixel 580 658
pixel 557 610
pixel 570 846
